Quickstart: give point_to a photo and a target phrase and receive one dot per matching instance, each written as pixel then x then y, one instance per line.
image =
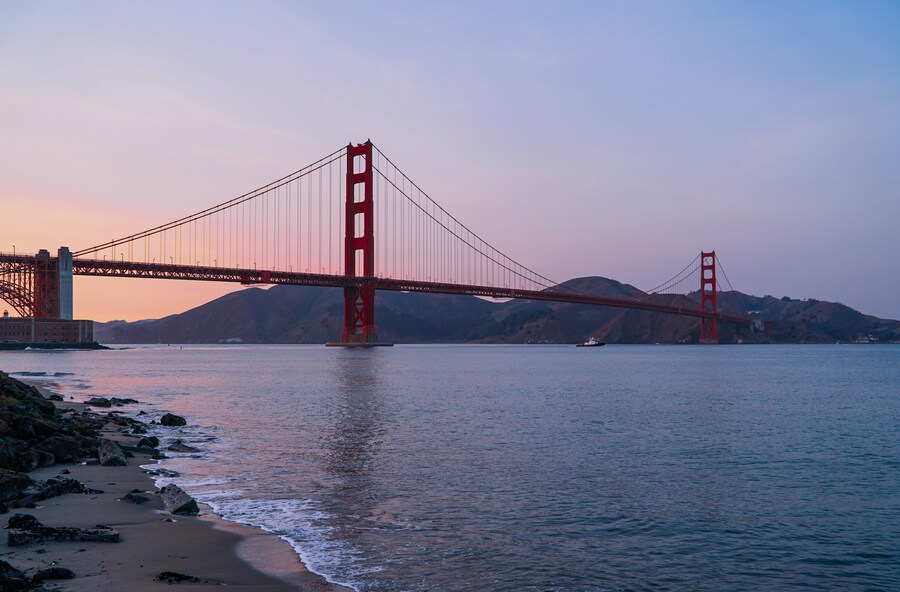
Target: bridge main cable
pixel 317 165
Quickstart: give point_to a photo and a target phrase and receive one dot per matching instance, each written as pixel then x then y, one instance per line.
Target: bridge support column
pixel 46 286
pixel 709 332
pixel 359 250
pixel 64 283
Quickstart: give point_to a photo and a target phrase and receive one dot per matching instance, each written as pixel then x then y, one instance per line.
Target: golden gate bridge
pixel 351 220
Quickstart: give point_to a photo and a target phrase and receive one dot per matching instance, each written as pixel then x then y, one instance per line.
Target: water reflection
pixel 352 445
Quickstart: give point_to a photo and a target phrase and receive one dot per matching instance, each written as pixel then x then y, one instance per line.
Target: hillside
pixel 292 314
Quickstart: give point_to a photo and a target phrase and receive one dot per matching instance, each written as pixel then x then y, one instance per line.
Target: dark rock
pixel 25 530
pixel 28 460
pixel 120 402
pixel 65 472
pixel 142 412
pixel 55 397
pixel 53 573
pixel 3 508
pixel 8 453
pixel 164 473
pixel 45 459
pixel 129 450
pixel 40 403
pixel 63 448
pixel 110 454
pixel 135 498
pixel 177 501
pixel 138 429
pixel 44 427
pixel 173 577
pixel 53 487
pixel 13 484
pixel 12 579
pixel 179 446
pixel 117 419
pixel 170 419
pixel 98 402
pixel 23 521
pixel 149 441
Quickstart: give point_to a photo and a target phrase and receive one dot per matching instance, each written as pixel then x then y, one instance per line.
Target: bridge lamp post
pixel 171 261
pixel 14 250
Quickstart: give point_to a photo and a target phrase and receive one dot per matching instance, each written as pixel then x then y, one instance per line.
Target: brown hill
pixel 292 314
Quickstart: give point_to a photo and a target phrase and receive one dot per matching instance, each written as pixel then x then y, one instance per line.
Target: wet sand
pixel 152 540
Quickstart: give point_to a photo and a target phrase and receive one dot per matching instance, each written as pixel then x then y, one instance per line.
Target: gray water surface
pixel 538 468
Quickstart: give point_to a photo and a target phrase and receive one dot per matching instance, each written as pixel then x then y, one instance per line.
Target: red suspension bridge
pixel 351 220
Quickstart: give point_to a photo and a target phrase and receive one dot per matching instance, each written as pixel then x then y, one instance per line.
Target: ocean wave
pixel 54 374
pixel 301 524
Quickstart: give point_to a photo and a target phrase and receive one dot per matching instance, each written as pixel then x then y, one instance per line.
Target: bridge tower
pixel 359 250
pixel 709 332
pixel 38 286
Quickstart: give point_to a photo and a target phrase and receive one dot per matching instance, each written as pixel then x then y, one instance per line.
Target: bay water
pixel 534 468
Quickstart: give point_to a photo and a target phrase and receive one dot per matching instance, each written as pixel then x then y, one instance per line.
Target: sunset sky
pixel 582 138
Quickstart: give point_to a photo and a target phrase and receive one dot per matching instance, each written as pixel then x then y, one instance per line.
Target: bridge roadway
pixel 108 268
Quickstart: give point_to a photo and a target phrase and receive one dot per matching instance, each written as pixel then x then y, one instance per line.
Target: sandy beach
pixel 152 540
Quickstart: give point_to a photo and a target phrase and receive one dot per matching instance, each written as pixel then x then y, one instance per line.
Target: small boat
pixel 592 342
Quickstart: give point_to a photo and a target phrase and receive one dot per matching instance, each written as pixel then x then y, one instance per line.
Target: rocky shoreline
pixel 67 525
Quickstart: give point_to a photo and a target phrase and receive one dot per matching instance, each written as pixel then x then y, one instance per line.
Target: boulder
pixel 53 573
pixel 164 473
pixel 177 501
pixel 98 402
pixel 36 400
pixel 129 450
pixel 25 530
pixel 28 460
pixel 44 427
pixel 135 498
pixel 170 419
pixel 63 448
pixel 12 579
pixel 179 446
pixel 173 577
pixel 149 441
pixel 13 484
pixel 53 487
pixel 110 454
pixel 8 452
pixel 120 402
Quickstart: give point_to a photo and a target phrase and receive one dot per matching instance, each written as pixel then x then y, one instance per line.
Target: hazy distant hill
pixel 293 314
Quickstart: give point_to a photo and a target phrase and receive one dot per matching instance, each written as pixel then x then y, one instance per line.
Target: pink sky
pixel 582 139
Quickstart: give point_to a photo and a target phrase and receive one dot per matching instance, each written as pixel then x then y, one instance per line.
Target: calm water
pixel 538 467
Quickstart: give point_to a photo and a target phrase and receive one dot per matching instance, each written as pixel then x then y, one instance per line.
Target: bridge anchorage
pixel 350 220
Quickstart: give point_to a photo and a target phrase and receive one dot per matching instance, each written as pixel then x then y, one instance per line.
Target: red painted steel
pixel 106 268
pixel 30 283
pixel 359 299
pixel 17 282
pixel 709 331
pixel 46 286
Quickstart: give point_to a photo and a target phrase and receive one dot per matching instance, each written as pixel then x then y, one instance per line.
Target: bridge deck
pixel 95 267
